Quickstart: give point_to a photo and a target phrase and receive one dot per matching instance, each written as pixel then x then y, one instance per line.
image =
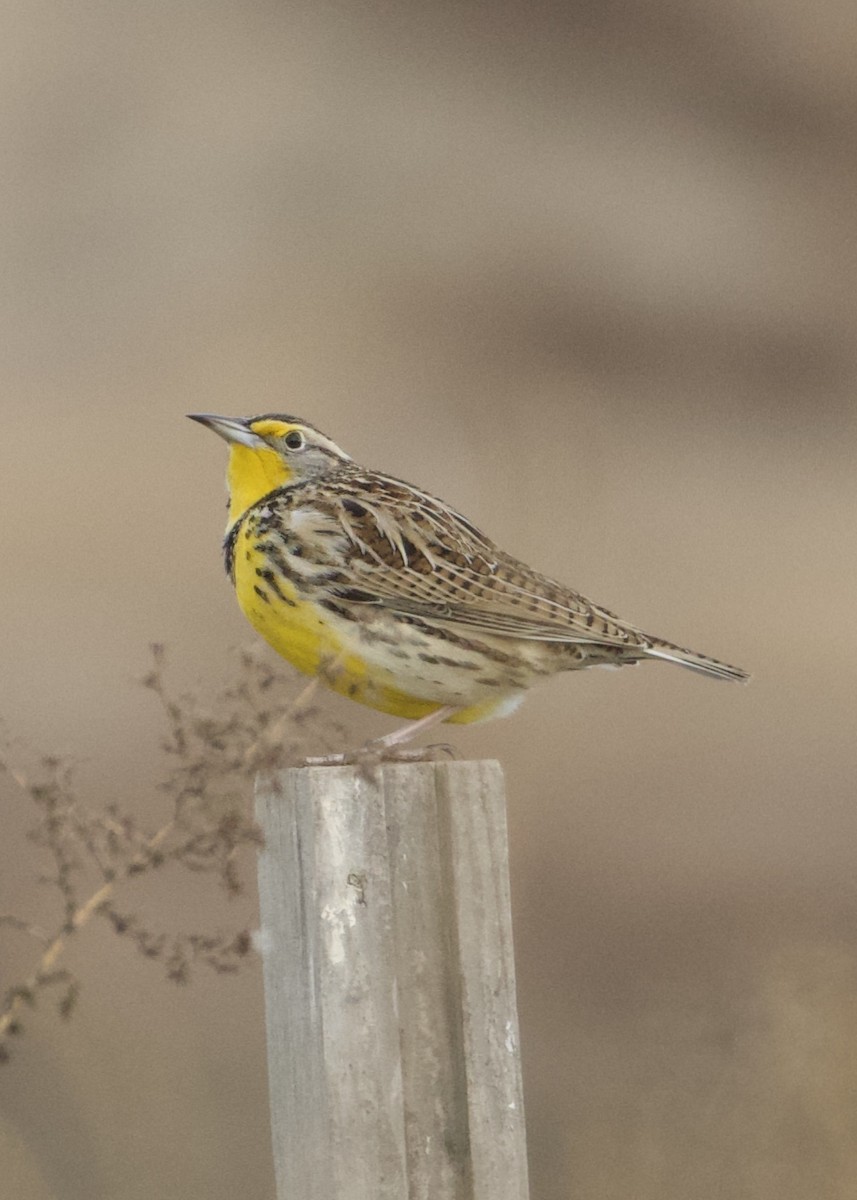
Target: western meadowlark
pixel 391 597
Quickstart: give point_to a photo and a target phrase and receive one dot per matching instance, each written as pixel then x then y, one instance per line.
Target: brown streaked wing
pixel 412 554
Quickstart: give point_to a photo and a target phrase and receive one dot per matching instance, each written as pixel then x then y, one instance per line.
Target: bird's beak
pixel 232 429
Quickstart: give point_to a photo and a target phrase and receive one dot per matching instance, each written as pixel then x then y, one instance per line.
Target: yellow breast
pixel 297 630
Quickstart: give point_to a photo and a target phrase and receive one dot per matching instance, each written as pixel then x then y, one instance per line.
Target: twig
pixel 46 964
pixel 215 754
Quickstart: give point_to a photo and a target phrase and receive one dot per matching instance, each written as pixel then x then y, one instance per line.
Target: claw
pixel 372 755
pixel 390 748
pixel 433 753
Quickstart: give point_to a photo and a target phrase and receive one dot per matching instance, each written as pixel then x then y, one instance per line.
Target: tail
pixel 695 662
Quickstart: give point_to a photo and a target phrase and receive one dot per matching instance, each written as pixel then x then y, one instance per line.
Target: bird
pixel 392 598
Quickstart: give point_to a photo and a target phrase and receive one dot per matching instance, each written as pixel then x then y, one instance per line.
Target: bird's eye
pixel 294 440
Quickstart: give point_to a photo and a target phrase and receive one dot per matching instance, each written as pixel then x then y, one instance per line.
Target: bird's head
pixel 268 452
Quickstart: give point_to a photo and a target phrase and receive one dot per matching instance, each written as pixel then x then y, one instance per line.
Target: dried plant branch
pixel 44 973
pixel 256 723
pixel 31 930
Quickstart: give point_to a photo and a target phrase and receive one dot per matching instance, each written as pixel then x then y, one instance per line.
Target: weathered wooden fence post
pixel 389 981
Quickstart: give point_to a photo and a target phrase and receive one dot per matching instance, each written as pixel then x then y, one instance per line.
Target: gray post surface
pixel 389 984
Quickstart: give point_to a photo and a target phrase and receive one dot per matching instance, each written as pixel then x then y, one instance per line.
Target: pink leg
pixel 387 746
pixel 406 733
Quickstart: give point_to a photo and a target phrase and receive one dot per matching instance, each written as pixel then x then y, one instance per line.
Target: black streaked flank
pixel 270 578
pixel 340 610
pixel 356 595
pixel 229 550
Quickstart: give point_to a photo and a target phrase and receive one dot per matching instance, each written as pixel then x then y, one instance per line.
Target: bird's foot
pixel 391 748
pixel 376 752
pixel 433 753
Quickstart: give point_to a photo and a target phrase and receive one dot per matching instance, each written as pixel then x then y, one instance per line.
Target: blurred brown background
pixel 587 271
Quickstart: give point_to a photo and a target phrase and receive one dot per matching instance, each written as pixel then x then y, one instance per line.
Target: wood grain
pixel 389 983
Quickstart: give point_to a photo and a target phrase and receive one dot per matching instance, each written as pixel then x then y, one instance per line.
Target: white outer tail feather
pixel 700 663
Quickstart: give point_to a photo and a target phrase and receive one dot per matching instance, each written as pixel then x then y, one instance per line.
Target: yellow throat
pixel 251 474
